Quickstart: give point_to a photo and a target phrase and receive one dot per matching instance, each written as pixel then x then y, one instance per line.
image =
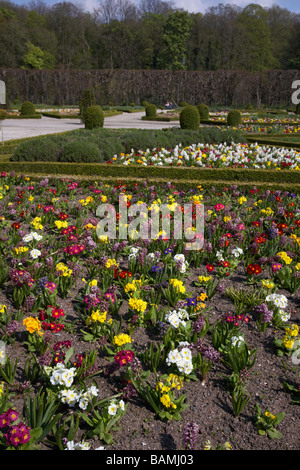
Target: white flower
pixel 112 409
pixel 237 340
pixel 122 405
pixel 35 253
pixel 70 445
pixel 237 252
pixel 69 397
pixel 27 238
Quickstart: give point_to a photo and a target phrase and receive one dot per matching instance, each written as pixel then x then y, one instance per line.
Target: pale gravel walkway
pixel 22 128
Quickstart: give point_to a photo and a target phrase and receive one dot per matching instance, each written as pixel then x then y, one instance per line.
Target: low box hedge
pixel 183 185
pixel 146 172
pixel 25 116
pixel 273 142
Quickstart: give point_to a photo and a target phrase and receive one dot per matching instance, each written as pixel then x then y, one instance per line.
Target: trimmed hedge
pixel 27 108
pixel 151 172
pixel 27 116
pixel 93 117
pixel 273 142
pixel 189 118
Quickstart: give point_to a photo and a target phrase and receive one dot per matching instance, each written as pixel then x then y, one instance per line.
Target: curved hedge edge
pixel 158 118
pixel 59 116
pixel 273 143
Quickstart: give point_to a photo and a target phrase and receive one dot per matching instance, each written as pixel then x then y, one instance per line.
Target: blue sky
pixel 194 6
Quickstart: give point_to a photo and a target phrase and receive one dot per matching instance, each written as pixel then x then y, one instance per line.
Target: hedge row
pixel 183 185
pixel 273 142
pixel 151 172
pixel 25 116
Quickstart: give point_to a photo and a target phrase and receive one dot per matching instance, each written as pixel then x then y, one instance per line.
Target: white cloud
pixel 196 6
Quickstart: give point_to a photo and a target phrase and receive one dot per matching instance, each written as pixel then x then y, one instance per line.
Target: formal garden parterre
pixel 143 344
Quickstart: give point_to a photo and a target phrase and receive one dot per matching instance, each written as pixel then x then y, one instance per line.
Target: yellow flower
pixel 267 283
pixel 242 199
pixel 130 287
pixel 287 343
pixel 61 224
pixel 103 238
pixel 3 308
pixel 121 339
pixel 178 285
pixel 33 325
pixel 63 269
pixel 111 263
pixel 138 305
pixel 96 316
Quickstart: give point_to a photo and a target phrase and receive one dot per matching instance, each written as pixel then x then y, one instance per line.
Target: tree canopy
pixel 153 34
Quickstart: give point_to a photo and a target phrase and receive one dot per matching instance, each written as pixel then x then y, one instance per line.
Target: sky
pixel 192 6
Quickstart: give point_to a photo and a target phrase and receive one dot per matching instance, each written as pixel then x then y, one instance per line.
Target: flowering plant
pixel 105 418
pixel 266 423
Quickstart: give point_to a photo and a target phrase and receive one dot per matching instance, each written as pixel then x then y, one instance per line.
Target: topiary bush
pixel 80 151
pixel 234 118
pixel 189 118
pixel 93 117
pixel 151 110
pixel 203 111
pixel 27 108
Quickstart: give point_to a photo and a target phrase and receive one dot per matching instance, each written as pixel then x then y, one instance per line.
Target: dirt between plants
pixel 209 405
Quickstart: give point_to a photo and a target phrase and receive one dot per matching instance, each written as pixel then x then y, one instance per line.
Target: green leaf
pixel 274 434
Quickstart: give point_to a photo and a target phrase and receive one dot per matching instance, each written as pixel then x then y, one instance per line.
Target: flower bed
pixel 130 343
pixel 215 156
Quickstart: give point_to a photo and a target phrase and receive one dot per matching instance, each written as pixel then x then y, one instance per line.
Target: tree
pixel 175 35
pixel 257 54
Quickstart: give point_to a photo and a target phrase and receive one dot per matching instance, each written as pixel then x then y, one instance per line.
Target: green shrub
pixel 93 117
pixel 3 114
pixel 151 110
pixel 203 111
pixel 298 108
pixel 39 149
pixel 80 151
pixel 189 118
pixel 183 104
pixel 234 118
pixel 87 99
pixel 27 108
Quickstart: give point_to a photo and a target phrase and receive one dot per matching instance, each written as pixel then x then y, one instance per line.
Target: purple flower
pixel 189 435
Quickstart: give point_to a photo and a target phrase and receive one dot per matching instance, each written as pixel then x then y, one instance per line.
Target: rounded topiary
pixel 234 118
pixel 183 104
pixel 27 108
pixel 298 108
pixel 151 110
pixel 3 114
pixel 203 111
pixel 189 118
pixel 80 151
pixel 93 116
